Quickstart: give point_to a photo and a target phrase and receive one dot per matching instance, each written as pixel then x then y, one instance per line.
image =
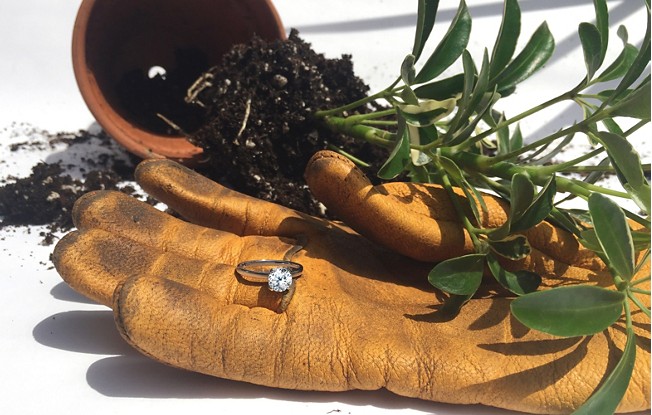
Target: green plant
pixel 447 131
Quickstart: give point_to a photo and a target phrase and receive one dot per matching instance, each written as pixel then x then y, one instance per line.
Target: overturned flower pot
pixel 134 62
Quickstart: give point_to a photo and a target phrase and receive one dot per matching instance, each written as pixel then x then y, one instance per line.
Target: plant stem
pixel 565 166
pixel 563 97
pixel 379 122
pixel 348 155
pixel 353 105
pixel 367 133
pixel 640 281
pixel 635 127
pixel 506 170
pixel 640 291
pixel 533 146
pixel 594 188
pixel 446 183
pixel 371 116
pixel 628 312
pixel 638 303
pixel 385 93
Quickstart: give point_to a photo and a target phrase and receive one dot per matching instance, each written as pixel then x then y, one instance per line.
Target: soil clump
pixel 260 132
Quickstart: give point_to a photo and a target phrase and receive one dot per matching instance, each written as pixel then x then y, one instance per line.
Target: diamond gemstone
pixel 279 279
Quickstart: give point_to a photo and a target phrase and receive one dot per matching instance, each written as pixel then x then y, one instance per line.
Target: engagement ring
pixel 277 274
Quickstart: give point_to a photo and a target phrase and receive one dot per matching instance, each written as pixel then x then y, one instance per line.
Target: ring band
pixel 278 274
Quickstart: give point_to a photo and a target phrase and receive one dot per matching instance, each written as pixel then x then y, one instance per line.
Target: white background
pixel 60 353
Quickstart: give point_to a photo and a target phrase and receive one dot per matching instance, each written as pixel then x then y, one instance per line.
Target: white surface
pixel 59 353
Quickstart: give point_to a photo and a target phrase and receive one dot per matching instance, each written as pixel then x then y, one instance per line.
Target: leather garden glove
pixel 361 316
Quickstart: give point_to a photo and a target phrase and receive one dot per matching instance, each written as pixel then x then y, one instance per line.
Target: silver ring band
pixel 278 274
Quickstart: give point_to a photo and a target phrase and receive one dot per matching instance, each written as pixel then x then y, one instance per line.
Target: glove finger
pixel 420 221
pixel 121 237
pixel 204 202
pixel 432 201
pixel 184 327
pixel 347 192
pixel 120 214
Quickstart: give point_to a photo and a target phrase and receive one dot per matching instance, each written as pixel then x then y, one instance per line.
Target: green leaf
pixel 538 210
pixel 613 232
pixel 510 30
pixel 519 282
pixel 449 48
pixel 459 276
pixel 641 240
pixel 590 240
pixel 602 24
pixel 400 155
pixel 440 90
pixel 453 304
pixel 417 157
pixel 484 105
pixel 470 76
pixel 636 104
pixel 563 219
pixel 426 112
pixel 407 70
pixel 640 196
pixel 627 162
pixel 481 85
pixel 409 96
pixel 622 34
pixel 522 192
pixel 502 137
pixel 426 15
pixel 419 174
pixel 605 400
pixel 621 64
pixel 591 46
pixel 512 247
pixel 553 153
pixel 612 126
pixel 533 56
pixel 421 136
pixel 623 155
pixel 456 175
pixel 578 310
pixel 522 195
pixel 641 61
pixel 516 141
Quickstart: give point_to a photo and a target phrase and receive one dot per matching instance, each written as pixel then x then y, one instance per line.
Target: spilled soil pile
pixel 259 132
pixel 46 196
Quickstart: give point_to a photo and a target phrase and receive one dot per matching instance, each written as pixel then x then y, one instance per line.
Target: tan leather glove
pixel 361 317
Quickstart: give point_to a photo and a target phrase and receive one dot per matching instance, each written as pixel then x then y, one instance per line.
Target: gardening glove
pixel 360 317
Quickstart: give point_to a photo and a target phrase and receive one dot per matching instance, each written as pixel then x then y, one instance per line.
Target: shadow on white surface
pixel 494 10
pixel 63 292
pixel 128 374
pixel 82 331
pixel 134 376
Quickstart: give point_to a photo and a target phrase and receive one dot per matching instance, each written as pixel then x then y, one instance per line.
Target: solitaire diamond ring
pixel 279 275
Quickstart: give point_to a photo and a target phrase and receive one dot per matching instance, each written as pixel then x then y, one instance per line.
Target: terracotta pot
pixel 119 46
